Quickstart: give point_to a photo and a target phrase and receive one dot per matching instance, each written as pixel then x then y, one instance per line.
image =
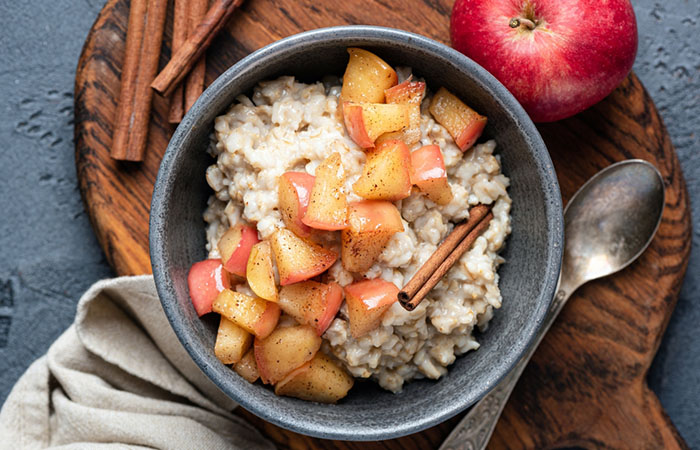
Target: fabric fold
pixel 118 377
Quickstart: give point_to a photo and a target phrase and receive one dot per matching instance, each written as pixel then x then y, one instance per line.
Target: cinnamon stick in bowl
pixel 448 252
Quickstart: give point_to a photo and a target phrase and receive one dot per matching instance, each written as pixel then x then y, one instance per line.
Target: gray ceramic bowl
pixel 528 278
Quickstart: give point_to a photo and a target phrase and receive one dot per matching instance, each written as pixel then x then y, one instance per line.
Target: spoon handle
pixel 475 429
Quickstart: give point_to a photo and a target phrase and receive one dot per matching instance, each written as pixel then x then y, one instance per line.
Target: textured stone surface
pixel 50 256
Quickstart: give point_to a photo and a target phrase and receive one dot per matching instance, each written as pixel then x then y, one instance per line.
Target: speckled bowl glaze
pixel 527 280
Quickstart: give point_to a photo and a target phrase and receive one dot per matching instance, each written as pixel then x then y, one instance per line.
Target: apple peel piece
pixel 463 123
pixel 205 280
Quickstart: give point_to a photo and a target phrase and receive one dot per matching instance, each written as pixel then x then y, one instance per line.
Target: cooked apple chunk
pixel 371 224
pixel 254 315
pixel 367 301
pixel 328 205
pixel 284 350
pixel 232 342
pixel 312 303
pixel 319 380
pixel 293 192
pixel 463 123
pixel 429 174
pixel 365 122
pixel 411 93
pixel 247 367
pixel 234 247
pixel 205 280
pixel 298 259
pixel 259 272
pixel 386 174
pixel 407 92
pixel 366 77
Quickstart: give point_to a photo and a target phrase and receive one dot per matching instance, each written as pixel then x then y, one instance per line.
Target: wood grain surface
pixel 586 385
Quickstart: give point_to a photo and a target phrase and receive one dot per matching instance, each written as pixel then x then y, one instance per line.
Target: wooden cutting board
pixel 586 385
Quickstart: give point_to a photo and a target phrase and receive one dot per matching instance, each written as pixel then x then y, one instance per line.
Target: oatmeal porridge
pixel 289 126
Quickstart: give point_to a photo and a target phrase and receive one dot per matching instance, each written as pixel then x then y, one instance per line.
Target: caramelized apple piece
pixel 234 247
pixel 411 93
pixel 247 367
pixel 365 122
pixel 254 315
pixel 205 280
pixel 463 123
pixel 429 174
pixel 259 272
pixel 319 380
pixel 232 342
pixel 328 206
pixel 294 190
pixel 298 259
pixel 367 301
pixel 366 77
pixel 312 303
pixel 371 224
pixel 386 174
pixel 410 135
pixel 284 350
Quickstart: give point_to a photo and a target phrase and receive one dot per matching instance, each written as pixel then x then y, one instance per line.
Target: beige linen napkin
pixel 119 377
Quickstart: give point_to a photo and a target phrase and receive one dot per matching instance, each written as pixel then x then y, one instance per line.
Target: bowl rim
pixel 550 186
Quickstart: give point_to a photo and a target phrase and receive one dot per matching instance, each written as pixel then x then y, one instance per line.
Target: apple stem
pixel 515 22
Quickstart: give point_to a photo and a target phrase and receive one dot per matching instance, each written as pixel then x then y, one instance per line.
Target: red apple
pixel 557 57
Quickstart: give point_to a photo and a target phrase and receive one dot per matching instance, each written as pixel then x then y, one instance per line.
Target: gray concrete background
pixel 49 255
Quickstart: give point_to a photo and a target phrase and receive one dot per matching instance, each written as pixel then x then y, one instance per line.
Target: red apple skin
pixel 579 51
pixel 205 280
pixel 238 262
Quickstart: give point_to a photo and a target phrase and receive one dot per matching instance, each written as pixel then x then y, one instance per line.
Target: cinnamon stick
pixel 446 255
pixel 194 84
pixel 180 29
pixel 195 46
pixel 132 54
pixel 129 142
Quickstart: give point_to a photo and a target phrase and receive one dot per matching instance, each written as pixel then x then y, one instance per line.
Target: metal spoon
pixel 609 222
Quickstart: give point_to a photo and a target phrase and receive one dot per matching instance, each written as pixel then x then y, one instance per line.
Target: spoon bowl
pixel 610 221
